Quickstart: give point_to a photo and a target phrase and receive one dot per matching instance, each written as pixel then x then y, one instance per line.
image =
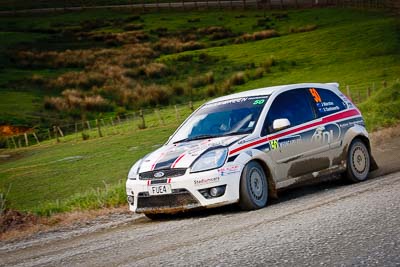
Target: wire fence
pixel 103 126
pixel 132 122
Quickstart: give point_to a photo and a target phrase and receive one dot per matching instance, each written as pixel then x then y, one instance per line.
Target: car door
pixel 297 149
pixel 327 104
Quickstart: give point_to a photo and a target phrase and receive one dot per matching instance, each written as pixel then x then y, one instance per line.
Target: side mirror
pixel 280 124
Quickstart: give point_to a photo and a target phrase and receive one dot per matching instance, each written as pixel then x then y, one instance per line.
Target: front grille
pixel 178 199
pixel 168 173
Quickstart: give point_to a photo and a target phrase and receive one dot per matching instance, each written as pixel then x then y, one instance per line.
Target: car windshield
pixel 228 117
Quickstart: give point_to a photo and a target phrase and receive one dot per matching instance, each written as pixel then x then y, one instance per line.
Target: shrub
pixel 155 70
pixel 202 80
pixel 268 63
pixel 174 45
pixel 256 36
pixel 306 28
pixel 237 78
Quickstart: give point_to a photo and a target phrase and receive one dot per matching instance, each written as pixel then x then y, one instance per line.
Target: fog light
pixel 217 191
pixel 213 192
pixel 131 200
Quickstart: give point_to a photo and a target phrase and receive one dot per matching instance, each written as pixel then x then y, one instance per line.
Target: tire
pixel 253 187
pixel 358 162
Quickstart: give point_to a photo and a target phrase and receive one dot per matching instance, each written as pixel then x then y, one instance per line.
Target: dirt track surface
pixel 328 223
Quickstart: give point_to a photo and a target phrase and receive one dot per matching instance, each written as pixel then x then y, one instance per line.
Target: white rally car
pixel 243 147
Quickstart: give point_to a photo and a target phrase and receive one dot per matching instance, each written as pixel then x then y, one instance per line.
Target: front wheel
pixel 253 187
pixel 358 162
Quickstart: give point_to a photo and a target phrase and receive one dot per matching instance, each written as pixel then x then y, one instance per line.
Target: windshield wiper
pixel 198 137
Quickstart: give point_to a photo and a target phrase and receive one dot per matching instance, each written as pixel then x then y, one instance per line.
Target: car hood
pixel 182 155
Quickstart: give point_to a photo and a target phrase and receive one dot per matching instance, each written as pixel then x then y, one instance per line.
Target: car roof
pixel 272 89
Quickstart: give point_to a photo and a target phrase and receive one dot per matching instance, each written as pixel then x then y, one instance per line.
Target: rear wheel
pixel 253 187
pixel 358 161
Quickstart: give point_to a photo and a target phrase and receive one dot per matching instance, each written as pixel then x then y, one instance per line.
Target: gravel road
pixel 329 223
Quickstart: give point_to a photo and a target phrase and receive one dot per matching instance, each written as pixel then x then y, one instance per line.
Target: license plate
pixel 160 189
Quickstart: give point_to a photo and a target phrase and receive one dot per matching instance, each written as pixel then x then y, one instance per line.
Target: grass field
pixel 352 47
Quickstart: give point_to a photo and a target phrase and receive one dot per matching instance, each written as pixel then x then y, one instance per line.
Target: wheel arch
pixel 359 132
pixel 261 158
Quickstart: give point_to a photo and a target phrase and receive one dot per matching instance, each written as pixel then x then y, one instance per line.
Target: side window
pixel 326 102
pixel 293 105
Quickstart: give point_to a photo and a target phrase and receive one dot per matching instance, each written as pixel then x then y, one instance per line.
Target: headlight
pixel 134 170
pixel 211 160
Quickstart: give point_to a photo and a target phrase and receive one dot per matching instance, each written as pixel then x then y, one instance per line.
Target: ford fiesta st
pixel 243 147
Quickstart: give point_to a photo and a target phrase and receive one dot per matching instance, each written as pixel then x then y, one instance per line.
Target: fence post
pixel 191 105
pixel 98 128
pixel 8 143
pixel 13 140
pixel 56 133
pixel 348 91
pixel 19 143
pixel 26 139
pixel 88 125
pixel 141 115
pixel 160 119
pixel 178 117
pixel 36 138
pixel 48 131
pixel 61 132
pixel 119 119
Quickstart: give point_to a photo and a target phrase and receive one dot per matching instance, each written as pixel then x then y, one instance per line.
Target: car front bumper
pixel 188 191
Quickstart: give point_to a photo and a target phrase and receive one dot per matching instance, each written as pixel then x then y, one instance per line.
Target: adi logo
pixel 274 144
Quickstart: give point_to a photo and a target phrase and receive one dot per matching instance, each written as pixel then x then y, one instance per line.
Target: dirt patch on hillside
pixel 8 130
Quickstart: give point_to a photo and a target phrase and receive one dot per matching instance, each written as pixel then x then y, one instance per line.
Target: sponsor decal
pixel 204 181
pixel 258 101
pixel 348 124
pixel 284 142
pixel 228 170
pixel 327 134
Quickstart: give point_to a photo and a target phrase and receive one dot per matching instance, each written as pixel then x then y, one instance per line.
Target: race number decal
pixel 274 144
pixel 315 94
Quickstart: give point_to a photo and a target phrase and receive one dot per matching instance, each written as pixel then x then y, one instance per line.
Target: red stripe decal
pixel 169 180
pixel 334 117
pixel 148 182
pixel 177 160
